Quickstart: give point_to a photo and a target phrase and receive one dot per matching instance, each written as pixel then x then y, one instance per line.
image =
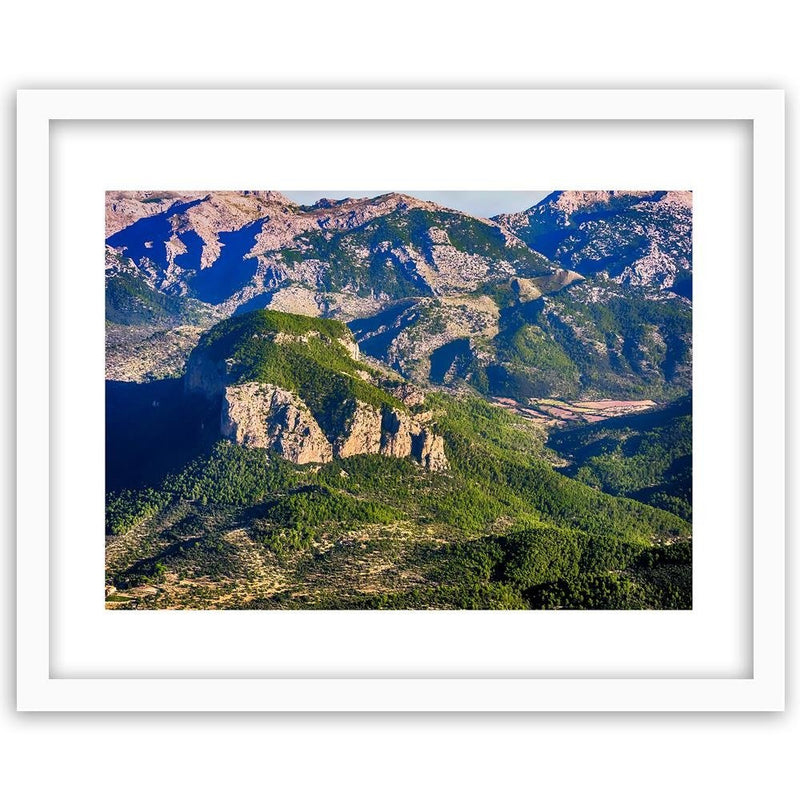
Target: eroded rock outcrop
pixel 338 405
pixel 266 416
pixel 396 435
pixel 363 433
pixel 407 393
pixel 428 448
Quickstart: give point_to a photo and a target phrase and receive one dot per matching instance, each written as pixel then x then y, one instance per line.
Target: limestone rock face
pixel 428 449
pixel 363 434
pixel 263 415
pixel 266 416
pixel 351 346
pixel 407 393
pixel 396 435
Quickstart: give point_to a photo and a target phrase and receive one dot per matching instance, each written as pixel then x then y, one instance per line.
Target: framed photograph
pixel 388 400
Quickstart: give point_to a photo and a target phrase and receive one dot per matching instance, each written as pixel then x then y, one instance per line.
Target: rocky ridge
pixel 269 417
pixel 526 304
pixel 175 238
pixel 263 414
pixel 125 208
pixel 632 237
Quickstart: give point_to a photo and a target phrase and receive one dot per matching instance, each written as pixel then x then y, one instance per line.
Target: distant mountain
pixel 440 296
pixel 636 238
pixel 346 258
pixel 294 415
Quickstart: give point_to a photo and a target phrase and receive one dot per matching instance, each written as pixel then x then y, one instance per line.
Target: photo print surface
pixel 398 400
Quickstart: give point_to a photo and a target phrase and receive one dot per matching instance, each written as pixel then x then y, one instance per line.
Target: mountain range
pixel 586 293
pixel 381 402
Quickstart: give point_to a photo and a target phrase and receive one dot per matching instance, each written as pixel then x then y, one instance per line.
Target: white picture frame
pixel 43 688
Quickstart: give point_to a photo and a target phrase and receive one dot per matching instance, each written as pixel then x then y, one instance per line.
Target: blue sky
pixel 481 204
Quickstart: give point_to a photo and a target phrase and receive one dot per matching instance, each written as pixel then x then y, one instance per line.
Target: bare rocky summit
pixel 526 304
pixel 266 416
pixel 271 418
pixel 640 238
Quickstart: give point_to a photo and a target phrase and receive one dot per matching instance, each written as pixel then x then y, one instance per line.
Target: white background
pixel 613 44
pixel 712 640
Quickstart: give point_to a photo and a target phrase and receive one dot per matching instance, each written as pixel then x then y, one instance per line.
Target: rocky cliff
pixel 332 406
pixel 266 416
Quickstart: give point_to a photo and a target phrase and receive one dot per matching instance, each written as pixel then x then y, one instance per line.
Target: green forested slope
pixel 310 360
pixel 644 456
pixel 501 529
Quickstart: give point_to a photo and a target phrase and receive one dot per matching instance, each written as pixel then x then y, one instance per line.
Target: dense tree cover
pixel 228 475
pixel 548 567
pixel 129 507
pixel 494 430
pixel 232 475
pixel 532 484
pixel 292 521
pixel 532 364
pixel 130 301
pixel 517 534
pixel 592 339
pixel 529 569
pixel 231 332
pixel 315 365
pixel 645 456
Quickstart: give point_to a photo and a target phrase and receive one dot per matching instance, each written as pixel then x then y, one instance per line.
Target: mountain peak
pixel 571 201
pixel 399 197
pixel 638 237
pixel 268 196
